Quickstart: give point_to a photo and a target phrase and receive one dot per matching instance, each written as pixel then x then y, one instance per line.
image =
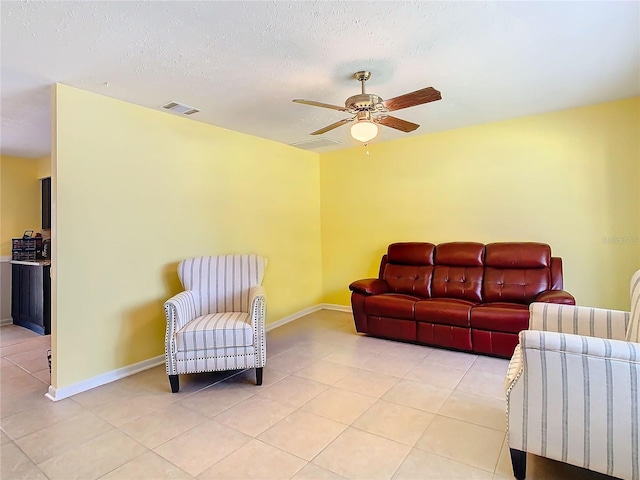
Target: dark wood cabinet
pixel 46 202
pixel 31 297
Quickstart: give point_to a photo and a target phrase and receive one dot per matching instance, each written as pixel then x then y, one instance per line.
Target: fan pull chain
pixel 366 145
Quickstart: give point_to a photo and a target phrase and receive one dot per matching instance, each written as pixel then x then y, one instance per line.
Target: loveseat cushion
pixel 444 311
pixel 392 305
pixel 500 317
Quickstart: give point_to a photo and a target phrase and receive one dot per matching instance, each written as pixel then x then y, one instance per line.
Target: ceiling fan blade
pixel 319 104
pixel 332 126
pixel 398 124
pixel 418 97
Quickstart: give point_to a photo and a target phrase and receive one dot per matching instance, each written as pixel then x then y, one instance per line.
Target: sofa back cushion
pixel 409 268
pixel 458 271
pixel 411 253
pixel 516 271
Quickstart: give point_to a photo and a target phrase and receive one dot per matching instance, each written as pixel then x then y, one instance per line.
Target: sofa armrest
pixel 556 296
pixel 588 321
pixel 369 286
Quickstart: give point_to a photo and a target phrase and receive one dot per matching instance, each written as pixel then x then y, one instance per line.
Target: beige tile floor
pixel 334 405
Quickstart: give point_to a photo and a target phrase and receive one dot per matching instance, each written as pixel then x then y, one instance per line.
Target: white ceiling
pixel 241 63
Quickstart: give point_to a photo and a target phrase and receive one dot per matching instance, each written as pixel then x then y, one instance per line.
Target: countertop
pixel 36 263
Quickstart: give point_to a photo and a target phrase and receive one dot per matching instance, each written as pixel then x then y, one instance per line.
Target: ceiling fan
pixel 369 110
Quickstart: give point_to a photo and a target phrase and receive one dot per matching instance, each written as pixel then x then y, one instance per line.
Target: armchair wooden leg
pixel 519 463
pixel 259 376
pixel 175 383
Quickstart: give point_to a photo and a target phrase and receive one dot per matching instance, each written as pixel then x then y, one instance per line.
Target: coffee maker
pixel 46 248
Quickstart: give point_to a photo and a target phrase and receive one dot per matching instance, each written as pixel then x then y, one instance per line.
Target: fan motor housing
pixel 363 102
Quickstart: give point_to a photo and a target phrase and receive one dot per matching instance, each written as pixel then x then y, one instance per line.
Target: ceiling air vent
pixel 176 107
pixel 315 143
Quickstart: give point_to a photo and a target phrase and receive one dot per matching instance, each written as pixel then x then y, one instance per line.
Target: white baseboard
pixel 307 311
pixel 292 317
pixel 335 306
pixel 56 394
pixel 6 321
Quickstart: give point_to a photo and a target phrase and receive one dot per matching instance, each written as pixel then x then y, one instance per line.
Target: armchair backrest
pixel 223 282
pixel 633 330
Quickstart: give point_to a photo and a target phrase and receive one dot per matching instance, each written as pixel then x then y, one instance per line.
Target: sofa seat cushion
pixel 500 317
pixel 228 329
pixel 444 311
pixel 392 305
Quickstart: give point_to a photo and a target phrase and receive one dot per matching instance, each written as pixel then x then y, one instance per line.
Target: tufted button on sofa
pixel 461 295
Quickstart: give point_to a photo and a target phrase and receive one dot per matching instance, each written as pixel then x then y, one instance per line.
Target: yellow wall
pixel 44 166
pixel 136 191
pixel 570 179
pixel 19 199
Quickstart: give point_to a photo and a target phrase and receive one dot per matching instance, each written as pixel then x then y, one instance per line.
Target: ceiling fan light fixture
pixel 364 131
pixel 369 110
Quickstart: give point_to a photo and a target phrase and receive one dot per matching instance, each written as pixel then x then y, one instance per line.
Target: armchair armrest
pixel 258 313
pixel 180 309
pixel 369 286
pixel 556 296
pixel 588 321
pixel 575 400
pixel 257 304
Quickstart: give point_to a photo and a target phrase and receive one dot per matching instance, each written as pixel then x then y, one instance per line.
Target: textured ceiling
pixel 241 63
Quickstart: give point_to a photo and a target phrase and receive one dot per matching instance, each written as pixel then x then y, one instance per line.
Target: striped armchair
pixel 218 322
pixel 573 388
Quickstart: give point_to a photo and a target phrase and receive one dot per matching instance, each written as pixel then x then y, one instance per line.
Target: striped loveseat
pixel 573 388
pixel 218 322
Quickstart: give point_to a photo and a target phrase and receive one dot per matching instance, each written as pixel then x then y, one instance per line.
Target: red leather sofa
pixel 459 295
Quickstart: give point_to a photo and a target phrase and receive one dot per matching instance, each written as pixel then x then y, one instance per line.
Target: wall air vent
pixel 316 143
pixel 180 108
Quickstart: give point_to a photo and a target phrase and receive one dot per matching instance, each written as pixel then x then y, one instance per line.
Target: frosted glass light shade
pixel 364 131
